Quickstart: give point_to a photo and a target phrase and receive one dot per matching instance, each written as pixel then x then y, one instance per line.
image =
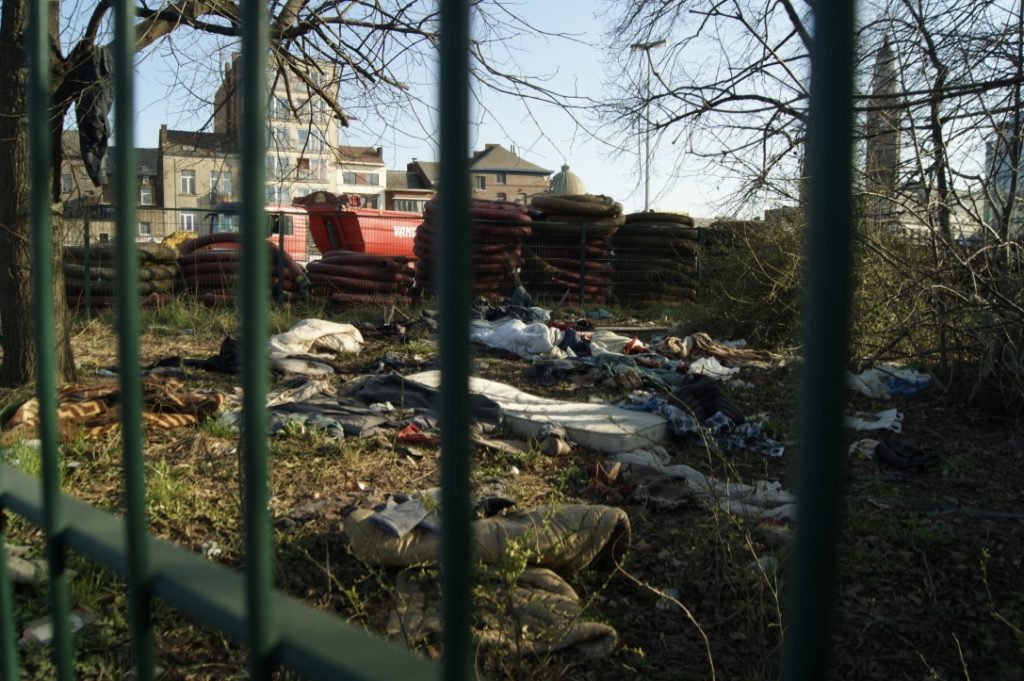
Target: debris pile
pixel 92 269
pixel 211 268
pixel 657 257
pixel 498 231
pixel 346 278
pixel 570 249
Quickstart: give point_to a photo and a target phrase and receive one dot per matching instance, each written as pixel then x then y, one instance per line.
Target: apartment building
pixel 302 133
pixel 89 207
pixel 496 174
pixel 197 170
pixel 361 171
pixel 499 174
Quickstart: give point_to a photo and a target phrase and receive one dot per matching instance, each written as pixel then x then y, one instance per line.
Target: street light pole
pixel 646 49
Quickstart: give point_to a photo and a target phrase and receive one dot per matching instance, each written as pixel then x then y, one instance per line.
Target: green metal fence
pixel 281 631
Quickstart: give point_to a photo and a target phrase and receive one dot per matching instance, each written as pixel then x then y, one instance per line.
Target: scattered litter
pixel 552 445
pixel 311 345
pixel 412 435
pixel 514 470
pixel 711 367
pixel 885 381
pixel 39 632
pixel 890 419
pixel 22 571
pixel 210 549
pixel 382 408
pixel 599 313
pixel 762 499
pixel 525 340
pixel 863 448
pixel 701 344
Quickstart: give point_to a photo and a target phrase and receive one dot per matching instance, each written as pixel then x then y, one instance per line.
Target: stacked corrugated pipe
pixel 347 278
pixel 499 229
pixel 657 257
pixel 211 267
pixel 570 250
pixel 157 271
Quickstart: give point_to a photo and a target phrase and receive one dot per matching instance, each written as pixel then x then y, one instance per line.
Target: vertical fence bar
pixel 42 306
pixel 453 277
pixel 127 300
pixel 8 651
pixel 826 321
pixel 254 295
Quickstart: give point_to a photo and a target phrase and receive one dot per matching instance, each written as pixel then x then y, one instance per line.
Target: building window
pixel 370 200
pixel 220 185
pixel 145 229
pixel 279 109
pixel 187 222
pixel 500 178
pixel 502 196
pixel 479 182
pixel 309 140
pixel 277 194
pixel 188 182
pixel 352 177
pixel 278 167
pixel 279 138
pixel 67 183
pixel 145 195
pixel 409 205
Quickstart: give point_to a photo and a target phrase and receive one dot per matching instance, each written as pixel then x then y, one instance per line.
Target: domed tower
pixel 566 182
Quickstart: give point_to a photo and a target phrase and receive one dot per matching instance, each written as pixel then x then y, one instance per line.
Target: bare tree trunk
pixel 19 351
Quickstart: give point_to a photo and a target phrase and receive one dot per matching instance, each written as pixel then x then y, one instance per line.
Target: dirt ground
pixel 930 562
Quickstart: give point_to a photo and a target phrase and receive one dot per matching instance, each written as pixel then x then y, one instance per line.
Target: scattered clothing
pixel 92 110
pixel 609 342
pixel 652 474
pixel 718 428
pixel 903 455
pixel 890 419
pixel 712 368
pixel 701 344
pixel 886 380
pixel 525 340
pixel 227 361
pixel 406 393
pixel 311 345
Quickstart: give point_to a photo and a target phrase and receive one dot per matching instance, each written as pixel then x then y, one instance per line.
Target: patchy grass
pixel 925 591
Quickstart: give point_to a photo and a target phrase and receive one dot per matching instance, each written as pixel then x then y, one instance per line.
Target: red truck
pixel 337 223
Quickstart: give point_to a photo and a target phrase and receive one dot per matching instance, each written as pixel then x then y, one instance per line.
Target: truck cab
pixel 286 223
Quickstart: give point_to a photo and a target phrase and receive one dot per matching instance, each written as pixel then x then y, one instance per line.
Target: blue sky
pixel 541 134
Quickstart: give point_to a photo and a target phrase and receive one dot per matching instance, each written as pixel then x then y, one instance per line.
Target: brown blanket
pixel 94 411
